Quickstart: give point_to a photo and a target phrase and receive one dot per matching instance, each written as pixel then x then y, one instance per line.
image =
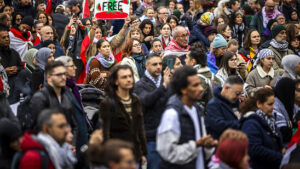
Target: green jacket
pixel 257 22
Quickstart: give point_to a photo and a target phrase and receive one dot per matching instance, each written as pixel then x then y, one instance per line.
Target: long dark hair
pixel 224 62
pixel 144 23
pixel 285 92
pixel 247 40
pixel 110 86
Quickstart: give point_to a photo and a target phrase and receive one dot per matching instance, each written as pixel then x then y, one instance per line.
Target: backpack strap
pixel 18 157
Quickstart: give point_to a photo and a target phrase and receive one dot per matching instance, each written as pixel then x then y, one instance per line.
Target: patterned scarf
pixel 280 46
pixel 270 121
pixel 239 30
pixel 105 62
pixel 157 81
pixel 267 16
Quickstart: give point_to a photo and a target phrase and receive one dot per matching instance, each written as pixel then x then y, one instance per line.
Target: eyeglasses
pixel 60 74
pixel 137 45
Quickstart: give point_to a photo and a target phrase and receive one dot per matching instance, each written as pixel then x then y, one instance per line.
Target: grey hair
pixel 44 118
pixel 64 59
pixel 176 29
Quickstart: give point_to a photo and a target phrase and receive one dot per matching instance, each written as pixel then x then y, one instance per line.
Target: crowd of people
pixel 178 84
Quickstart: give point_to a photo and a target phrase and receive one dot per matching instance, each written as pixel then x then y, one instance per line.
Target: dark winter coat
pixel 264 147
pixel 154 102
pixel 220 115
pixel 197 35
pixel 41 101
pixel 60 21
pixel 10 57
pixel 121 125
pixel 257 22
pixel 27 10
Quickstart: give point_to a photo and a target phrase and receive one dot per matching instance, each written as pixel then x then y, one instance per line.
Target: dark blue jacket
pixel 220 115
pixel 59 51
pixel 264 147
pixel 197 35
pixel 154 102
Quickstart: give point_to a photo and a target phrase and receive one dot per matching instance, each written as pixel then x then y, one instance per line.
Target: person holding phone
pixel 229 66
pixel 172 62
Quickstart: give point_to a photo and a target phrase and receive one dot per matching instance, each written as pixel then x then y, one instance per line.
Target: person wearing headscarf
pixel 205 20
pixel 291 65
pixel 264 75
pixel 42 57
pixel 28 59
pixel 285 108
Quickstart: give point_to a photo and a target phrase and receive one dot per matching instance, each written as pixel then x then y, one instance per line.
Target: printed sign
pixel 111 9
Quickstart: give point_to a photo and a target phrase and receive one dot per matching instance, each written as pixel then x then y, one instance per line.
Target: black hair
pixel 44 117
pixel 230 3
pixel 179 80
pixel 151 55
pixel 3 28
pixel 36 23
pixel 46 43
pixel 155 40
pixel 234 79
pixel 99 43
pixel 198 53
pixel 165 61
pixel 174 18
pixel 248 10
pixel 110 86
pixel 50 66
pixel 143 25
pixel 15 16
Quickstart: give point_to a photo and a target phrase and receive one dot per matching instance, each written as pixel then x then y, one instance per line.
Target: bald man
pixel 261 19
pixel 47 33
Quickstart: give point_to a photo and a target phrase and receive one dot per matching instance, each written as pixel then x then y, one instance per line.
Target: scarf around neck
pixel 173 46
pixel 270 121
pixel 281 47
pixel 267 16
pixel 140 63
pixel 105 62
pixel 62 157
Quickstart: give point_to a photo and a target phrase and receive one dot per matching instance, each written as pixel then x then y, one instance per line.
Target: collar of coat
pixel 263 74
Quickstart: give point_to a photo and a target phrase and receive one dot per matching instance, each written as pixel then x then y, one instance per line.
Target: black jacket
pixel 27 10
pixel 47 99
pixel 60 21
pixel 154 102
pixel 10 57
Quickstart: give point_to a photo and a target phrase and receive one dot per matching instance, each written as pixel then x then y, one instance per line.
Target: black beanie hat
pixel 9 131
pixel 276 29
pixel 28 20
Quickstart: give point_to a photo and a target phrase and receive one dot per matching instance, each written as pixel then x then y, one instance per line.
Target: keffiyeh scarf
pixel 280 46
pixel 270 121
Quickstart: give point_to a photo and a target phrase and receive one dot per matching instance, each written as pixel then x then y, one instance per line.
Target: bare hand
pixel 94 20
pixel 96 137
pixel 207 141
pixel 165 20
pixel 144 160
pixel 127 21
pixel 109 32
pixel 267 87
pixel 71 22
pixel 167 77
pixel 148 38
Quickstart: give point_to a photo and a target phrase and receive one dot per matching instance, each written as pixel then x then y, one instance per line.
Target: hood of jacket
pixel 29 142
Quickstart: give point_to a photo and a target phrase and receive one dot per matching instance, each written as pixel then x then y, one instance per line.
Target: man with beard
pixel 53 94
pixel 11 62
pixel 279 46
pixel 181 135
pixel 154 92
pixel 219 47
pixel 20 36
pixel 222 110
pixel 261 19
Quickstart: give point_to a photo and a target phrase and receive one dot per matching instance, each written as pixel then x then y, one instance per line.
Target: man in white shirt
pixel 181 135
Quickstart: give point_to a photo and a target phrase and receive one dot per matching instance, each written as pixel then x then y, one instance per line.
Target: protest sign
pixel 111 9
